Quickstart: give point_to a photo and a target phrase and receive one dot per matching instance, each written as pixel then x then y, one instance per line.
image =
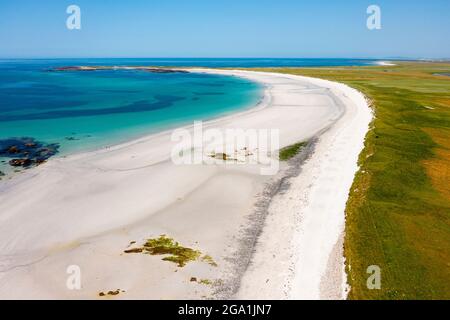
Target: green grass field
pixel 398 213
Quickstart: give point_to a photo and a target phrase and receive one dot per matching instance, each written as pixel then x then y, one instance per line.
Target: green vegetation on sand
pixel 173 250
pixel 291 151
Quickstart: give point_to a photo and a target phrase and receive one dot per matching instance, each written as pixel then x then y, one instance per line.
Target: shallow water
pixel 86 110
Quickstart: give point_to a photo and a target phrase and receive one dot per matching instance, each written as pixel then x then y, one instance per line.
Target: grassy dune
pixel 398 213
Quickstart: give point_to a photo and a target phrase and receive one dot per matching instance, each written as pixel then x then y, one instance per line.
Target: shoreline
pixel 10 172
pixel 137 135
pixel 102 177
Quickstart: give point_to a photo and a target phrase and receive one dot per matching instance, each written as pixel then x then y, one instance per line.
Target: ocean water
pixel 88 110
pixel 202 62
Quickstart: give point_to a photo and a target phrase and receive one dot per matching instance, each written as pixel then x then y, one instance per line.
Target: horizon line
pixel 236 57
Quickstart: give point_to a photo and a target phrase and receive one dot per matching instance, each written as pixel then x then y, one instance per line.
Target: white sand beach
pixel 386 63
pixel 272 237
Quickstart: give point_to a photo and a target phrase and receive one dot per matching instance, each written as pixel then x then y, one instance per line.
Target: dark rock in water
pixel 46 152
pixel 26 151
pixel 21 162
pixel 39 161
pixel 13 150
pixel 30 145
pixel 2 174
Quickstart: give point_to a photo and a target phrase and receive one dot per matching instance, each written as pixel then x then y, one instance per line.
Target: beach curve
pixel 86 208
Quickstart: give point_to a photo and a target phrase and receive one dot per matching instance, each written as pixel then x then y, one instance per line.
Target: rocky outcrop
pixel 97 68
pixel 26 151
pixel 21 162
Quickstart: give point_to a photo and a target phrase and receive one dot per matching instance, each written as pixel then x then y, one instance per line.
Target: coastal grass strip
pixel 398 211
pixel 291 151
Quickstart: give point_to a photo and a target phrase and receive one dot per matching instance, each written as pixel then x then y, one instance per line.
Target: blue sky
pixel 224 28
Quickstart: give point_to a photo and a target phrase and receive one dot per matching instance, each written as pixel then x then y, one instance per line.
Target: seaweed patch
pixel 110 293
pixel 173 251
pixel 209 260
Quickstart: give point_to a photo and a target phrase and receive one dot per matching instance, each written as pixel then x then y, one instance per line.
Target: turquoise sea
pixel 88 110
pixel 85 110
